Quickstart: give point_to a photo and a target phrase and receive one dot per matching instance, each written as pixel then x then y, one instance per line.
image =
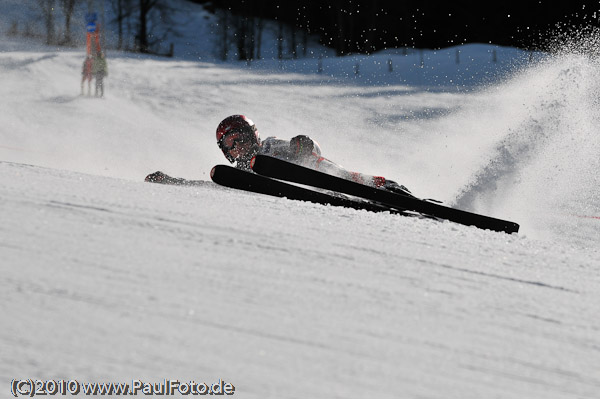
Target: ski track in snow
pixel 110 278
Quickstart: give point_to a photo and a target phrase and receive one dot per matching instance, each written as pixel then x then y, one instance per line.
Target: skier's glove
pixel 301 146
pixel 162 178
pixel 394 187
pixel 156 177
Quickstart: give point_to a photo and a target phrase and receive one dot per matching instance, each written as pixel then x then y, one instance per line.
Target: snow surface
pixel 108 278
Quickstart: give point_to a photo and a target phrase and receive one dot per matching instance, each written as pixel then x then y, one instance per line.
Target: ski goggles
pixel 231 140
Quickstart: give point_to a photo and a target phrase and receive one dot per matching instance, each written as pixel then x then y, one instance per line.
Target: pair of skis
pixel 272 175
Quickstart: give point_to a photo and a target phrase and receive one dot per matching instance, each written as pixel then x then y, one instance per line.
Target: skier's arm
pixel 329 167
pixel 306 152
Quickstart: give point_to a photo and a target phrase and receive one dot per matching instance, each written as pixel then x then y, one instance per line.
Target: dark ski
pixel 279 169
pixel 235 178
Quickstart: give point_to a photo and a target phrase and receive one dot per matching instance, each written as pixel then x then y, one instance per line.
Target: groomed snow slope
pixel 107 278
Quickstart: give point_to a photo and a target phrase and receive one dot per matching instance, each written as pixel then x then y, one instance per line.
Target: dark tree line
pixel 365 26
pixel 241 24
pixel 348 26
pixel 147 21
pixel 48 10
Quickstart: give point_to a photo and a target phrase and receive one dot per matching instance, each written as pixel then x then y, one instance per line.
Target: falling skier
pixel 239 140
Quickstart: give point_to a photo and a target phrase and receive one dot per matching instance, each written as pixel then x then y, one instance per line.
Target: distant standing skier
pixel 87 73
pixel 239 140
pixel 100 72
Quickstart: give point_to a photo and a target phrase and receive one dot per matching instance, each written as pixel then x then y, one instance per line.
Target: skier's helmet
pixel 234 130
